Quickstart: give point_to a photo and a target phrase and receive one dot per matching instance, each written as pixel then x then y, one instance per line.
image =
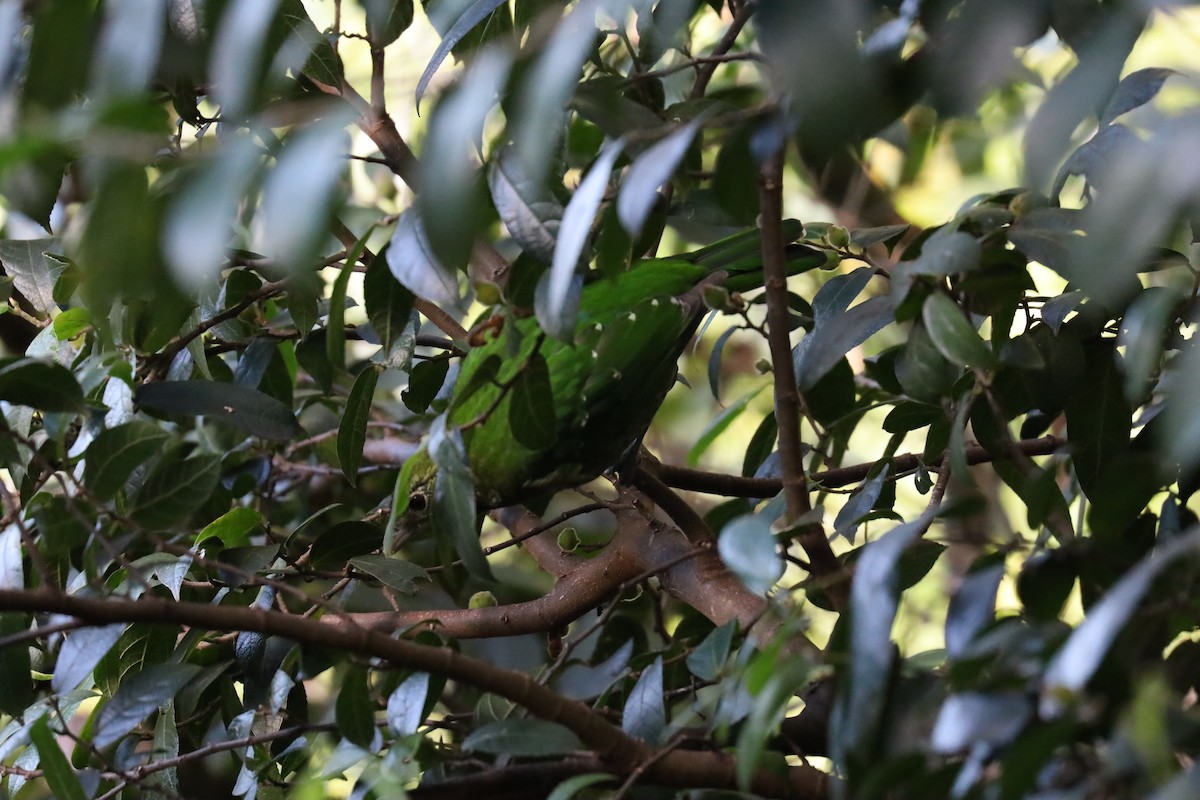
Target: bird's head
pixel 417 484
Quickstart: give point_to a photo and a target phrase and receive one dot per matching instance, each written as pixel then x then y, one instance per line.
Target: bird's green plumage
pixel 604 387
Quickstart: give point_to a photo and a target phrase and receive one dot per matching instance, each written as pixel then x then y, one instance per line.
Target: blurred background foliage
pixel 244 244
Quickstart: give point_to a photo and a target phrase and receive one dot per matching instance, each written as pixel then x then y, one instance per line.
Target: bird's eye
pixel 417 501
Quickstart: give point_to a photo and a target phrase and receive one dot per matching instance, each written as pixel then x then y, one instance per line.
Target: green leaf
pixel 708 660
pixel 534 738
pixel 558 291
pixel 41 385
pixel 138 696
pixel 389 304
pixel 478 11
pixel 571 787
pixel 747 546
pixel 454 498
pixel 355 710
pixel 530 212
pixel 719 425
pixel 863 687
pixel 335 336
pixel 714 362
pixel 645 716
pixel 352 431
pixel 386 20
pixel 247 409
pixel 81 651
pixel 64 783
pixel 344 541
pixel 837 332
pixel 1079 658
pixel 411 259
pixel 233 528
pixel 648 173
pixel 947 252
pixel 424 383
pixel 117 452
pixel 762 444
pixel 1135 89
pixel 71 323
pixel 15 666
pixel 1099 421
pixel 175 489
pixel 953 335
pixel 322 63
pixel 406 705
pixel 397 574
pixel 531 410
pixel 859 505
pixel 32 273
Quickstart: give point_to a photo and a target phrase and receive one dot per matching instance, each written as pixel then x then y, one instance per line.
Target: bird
pixel 538 415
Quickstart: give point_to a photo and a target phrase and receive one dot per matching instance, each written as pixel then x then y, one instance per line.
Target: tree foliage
pixel 237 297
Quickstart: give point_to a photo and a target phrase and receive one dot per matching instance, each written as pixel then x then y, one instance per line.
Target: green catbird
pixel 537 415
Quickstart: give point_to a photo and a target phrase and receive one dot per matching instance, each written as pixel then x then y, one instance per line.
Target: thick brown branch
pixel 619 751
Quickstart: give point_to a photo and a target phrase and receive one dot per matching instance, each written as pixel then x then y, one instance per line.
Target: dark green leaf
pixel 478 11
pixel 454 498
pixel 1135 89
pixel 530 211
pixel 572 787
pixel 32 273
pixel 869 237
pixel 138 696
pixel 860 504
pixel 41 385
pixel 645 715
pixel 707 660
pixel 411 260
pixel 15 667
pixel 80 653
pixel 406 705
pixel 352 431
pixel 973 606
pixel 117 452
pixel 835 334
pixel 534 738
pixel 389 304
pixel 344 541
pixel 531 410
pixel 355 710
pixel 247 409
pixel 397 574
pixel 947 252
pixel 175 489
pixel 1099 420
pixel 862 688
pixel 911 416
pixel 1076 661
pixel 762 443
pixel 714 363
pixel 386 20
pixel 63 782
pixel 747 547
pixel 424 382
pixel 954 336
pixel 322 63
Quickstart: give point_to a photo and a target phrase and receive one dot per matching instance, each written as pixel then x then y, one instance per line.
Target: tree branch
pixel 823 563
pixel 694 480
pixel 620 752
